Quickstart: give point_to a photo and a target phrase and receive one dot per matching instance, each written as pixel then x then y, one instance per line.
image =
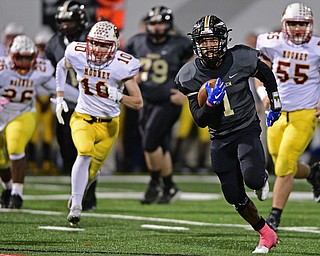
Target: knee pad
pixel 241 205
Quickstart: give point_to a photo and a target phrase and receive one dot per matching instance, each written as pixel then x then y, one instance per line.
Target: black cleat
pixel 273 221
pixel 169 195
pixel 314 180
pixel 89 202
pixel 152 194
pixel 74 215
pixel 5 198
pixel 15 202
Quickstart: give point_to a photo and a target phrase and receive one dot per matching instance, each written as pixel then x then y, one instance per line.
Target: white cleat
pixel 263 193
pixel 74 215
pixel 261 249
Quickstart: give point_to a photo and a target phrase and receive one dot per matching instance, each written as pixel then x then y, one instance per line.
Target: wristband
pixel 59 100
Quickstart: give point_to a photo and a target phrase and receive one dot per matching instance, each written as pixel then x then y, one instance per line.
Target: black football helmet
pixel 71 18
pixel 210 27
pixel 159 14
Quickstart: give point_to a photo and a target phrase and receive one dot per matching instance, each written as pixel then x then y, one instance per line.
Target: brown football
pixel 202 94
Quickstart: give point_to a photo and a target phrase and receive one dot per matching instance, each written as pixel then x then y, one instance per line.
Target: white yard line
pixel 314 230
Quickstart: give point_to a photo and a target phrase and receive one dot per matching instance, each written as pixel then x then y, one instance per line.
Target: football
pixel 202 94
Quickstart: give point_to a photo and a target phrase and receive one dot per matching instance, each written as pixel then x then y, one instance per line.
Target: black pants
pixel 238 160
pixel 67 149
pixel 155 124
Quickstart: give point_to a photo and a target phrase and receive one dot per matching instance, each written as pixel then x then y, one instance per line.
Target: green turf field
pixel 199 223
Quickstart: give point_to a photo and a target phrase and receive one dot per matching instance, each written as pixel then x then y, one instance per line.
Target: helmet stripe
pixel 207 22
pixel 65 6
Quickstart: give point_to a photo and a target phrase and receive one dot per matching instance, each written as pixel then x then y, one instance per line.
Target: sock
pixel 167 181
pixel 17 189
pixel 79 179
pixel 155 177
pixel 276 212
pixel 259 225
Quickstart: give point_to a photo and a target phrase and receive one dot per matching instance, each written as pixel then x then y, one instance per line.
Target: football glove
pixel 114 94
pixel 216 94
pixel 60 105
pixel 3 101
pixel 272 116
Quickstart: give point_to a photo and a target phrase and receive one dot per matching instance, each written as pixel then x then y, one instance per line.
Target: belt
pixel 98 120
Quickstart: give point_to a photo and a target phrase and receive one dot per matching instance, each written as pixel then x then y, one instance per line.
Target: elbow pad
pixel 61 75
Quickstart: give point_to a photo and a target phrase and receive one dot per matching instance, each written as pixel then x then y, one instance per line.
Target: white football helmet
pixel 41 39
pixel 297 12
pixel 102 42
pixel 23 54
pixel 10 32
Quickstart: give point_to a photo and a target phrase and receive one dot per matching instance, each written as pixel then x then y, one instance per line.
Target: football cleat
pixel 15 202
pixel 169 195
pixel 89 202
pixel 268 239
pixel 314 180
pixel 74 215
pixel 152 194
pixel 273 221
pixel 263 193
pixel 5 198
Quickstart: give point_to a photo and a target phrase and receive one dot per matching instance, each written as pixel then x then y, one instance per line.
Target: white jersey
pixel 93 83
pixel 296 68
pixel 21 90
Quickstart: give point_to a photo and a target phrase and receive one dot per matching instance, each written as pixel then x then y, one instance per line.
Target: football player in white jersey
pixel 102 72
pixel 294 55
pixel 22 76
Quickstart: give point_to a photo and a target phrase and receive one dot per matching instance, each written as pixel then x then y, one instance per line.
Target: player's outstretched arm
pixel 61 76
pixel 134 99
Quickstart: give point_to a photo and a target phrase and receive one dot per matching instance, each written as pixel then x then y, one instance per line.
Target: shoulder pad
pixel 185 79
pixel 269 40
pixel 245 55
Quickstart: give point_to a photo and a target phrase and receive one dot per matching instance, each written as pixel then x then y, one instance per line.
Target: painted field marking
pixel 314 230
pixel 60 228
pixel 163 227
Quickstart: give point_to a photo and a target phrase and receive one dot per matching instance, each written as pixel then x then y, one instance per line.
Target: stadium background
pixel 242 16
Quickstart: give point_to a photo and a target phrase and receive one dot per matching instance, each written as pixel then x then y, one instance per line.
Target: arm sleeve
pixel 201 115
pixel 266 76
pixel 71 93
pixel 61 75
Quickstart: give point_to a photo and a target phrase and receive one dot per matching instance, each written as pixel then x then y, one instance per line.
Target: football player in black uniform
pixel 72 24
pixel 161 55
pixel 237 155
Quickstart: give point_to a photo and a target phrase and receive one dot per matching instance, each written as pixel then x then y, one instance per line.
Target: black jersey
pixel 159 64
pixel 238 108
